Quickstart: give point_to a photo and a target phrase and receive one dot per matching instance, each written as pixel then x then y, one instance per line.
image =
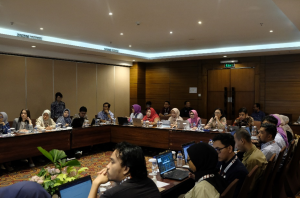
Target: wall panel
pixel 122 88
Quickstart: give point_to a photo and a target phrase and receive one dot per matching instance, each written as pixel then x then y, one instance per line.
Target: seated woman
pixel 194 120
pixel 217 121
pixel 4 125
pixel 136 112
pixel 286 127
pixel 23 123
pixel 45 122
pixel 175 115
pixel 151 116
pixel 202 160
pixel 244 119
pixel 280 132
pixel 65 119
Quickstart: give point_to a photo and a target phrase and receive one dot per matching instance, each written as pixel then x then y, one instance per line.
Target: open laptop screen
pixel 79 188
pixel 165 162
pixel 184 148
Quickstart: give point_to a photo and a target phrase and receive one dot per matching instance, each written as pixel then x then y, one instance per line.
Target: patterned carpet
pixel 22 172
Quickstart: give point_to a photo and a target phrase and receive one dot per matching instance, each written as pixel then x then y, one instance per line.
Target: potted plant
pixel 63 171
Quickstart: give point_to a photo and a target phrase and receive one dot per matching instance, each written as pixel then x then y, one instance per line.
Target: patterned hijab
pixel 67 119
pixel 280 130
pixel 5 118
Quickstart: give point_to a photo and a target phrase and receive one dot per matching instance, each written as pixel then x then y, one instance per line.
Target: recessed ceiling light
pixel 129 45
pixel 121 33
pixel 171 32
pixel 33 46
pixel 200 22
pixel 133 60
pixel 110 13
pixel 271 30
pixel 224 56
pixel 41 28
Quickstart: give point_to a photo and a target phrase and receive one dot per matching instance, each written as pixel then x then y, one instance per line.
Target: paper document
pixel 160 184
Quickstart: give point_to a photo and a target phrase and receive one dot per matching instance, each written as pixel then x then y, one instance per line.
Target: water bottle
pixel 199 127
pixel 226 128
pixel 210 142
pixel 56 127
pixel 114 121
pixel 8 132
pixel 253 132
pixel 144 123
pixel 179 159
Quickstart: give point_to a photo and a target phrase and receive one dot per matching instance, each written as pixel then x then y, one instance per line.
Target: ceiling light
pixel 200 22
pixel 41 28
pixel 229 61
pixel 171 32
pixel 129 45
pixel 271 30
pixel 33 46
pixel 133 60
pixel 224 56
pixel 121 33
pixel 110 13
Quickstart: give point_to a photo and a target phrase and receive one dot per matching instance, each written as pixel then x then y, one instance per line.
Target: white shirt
pixel 269 148
pixel 280 141
pixel 139 116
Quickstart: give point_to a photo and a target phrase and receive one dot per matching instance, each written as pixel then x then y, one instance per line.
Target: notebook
pixel 184 151
pixel 79 188
pixel 167 167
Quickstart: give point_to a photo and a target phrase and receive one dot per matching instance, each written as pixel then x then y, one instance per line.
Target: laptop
pixel 165 124
pixel 123 121
pixel 80 188
pixel 167 167
pixel 77 122
pixel 236 128
pixel 137 122
pixel 180 124
pixel 184 151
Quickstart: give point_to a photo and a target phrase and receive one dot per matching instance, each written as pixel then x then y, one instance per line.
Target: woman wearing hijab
pixel 65 119
pixel 136 112
pixel 286 127
pixel 175 115
pixel 151 116
pixel 202 159
pixel 194 120
pixel 45 121
pixel 280 131
pixel 23 123
pixel 4 125
pixel 217 121
pixel 24 189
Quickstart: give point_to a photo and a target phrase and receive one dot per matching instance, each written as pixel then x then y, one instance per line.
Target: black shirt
pixel 133 188
pixel 185 112
pixel 236 171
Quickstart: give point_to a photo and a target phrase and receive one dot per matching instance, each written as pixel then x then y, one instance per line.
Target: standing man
pixel 185 112
pixel 105 114
pixel 57 107
pixel 257 114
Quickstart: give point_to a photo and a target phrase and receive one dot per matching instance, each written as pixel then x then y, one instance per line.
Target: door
pixel 230 89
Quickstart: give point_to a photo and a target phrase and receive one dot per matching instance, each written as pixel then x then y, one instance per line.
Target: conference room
pixel 107 98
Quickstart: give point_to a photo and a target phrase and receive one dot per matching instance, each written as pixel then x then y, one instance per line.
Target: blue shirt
pixel 4 128
pixel 258 116
pixel 57 109
pixel 102 115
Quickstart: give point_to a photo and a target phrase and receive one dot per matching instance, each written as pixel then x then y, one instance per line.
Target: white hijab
pixel 5 118
pixel 49 119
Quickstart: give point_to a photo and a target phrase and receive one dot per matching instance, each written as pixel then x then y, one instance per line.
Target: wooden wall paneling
pixel 161 90
pixel 13 85
pixel 157 73
pixel 280 72
pixel 105 86
pixel 244 99
pixel 134 73
pixel 292 107
pixel 181 91
pixel 282 58
pixel 243 79
pixel 256 81
pixel 39 85
pixel 180 104
pixel 218 79
pixel 65 71
pixel 86 88
pixel 122 89
pixel 282 91
pixel 133 90
pixel 204 98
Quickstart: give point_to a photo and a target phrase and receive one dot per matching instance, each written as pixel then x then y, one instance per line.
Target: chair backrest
pixel 268 191
pixel 294 165
pixel 203 121
pixel 229 122
pixel 229 191
pixel 257 124
pixel 265 177
pixel 247 183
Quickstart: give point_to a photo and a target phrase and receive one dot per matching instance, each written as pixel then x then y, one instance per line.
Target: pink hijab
pixel 195 119
pixel 280 130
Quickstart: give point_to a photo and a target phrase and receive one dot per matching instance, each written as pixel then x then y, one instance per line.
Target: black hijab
pixel 205 159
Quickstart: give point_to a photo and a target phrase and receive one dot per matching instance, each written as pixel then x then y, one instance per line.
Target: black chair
pixel 247 183
pixel 229 191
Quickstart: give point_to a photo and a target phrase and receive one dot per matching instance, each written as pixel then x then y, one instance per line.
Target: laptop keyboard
pixel 178 174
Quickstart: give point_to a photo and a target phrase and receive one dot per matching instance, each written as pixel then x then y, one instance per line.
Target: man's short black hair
pixel 270 129
pixel 186 102
pixel 107 104
pixel 83 109
pixel 270 119
pixel 226 139
pixel 243 109
pixel 133 157
pixel 58 94
pixel 257 105
pixel 149 103
pixel 167 102
pixel 243 134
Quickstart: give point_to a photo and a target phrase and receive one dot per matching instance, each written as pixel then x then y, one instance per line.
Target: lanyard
pixel 229 165
pixel 124 180
pixel 205 177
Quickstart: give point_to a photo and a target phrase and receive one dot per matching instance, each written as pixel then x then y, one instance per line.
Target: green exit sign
pixel 229 65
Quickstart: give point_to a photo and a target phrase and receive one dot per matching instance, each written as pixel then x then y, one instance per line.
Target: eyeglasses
pixel 220 149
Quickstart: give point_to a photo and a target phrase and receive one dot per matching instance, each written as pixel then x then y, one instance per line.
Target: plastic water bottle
pixel 199 127
pixel 8 132
pixel 210 142
pixel 35 129
pixel 253 132
pixel 114 121
pixel 179 159
pixel 226 128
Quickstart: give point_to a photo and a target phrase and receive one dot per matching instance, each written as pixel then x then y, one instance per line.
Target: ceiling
pixel 225 24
